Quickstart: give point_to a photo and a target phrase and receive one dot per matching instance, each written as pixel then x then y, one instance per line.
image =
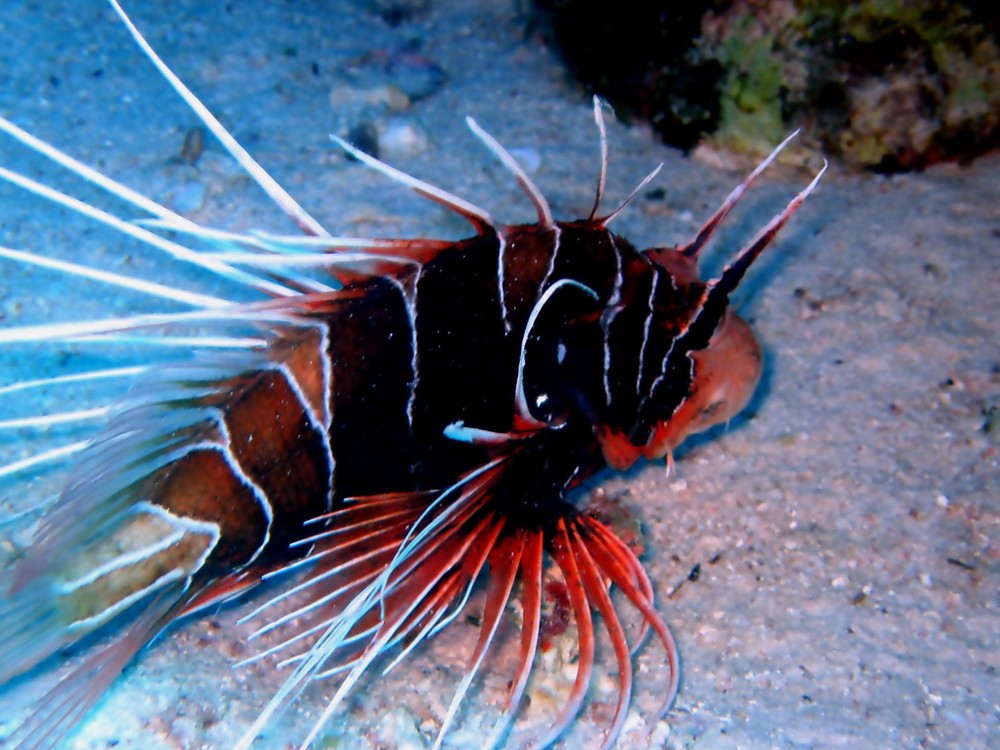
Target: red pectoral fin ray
pixel 562 551
pixel 625 571
pixel 597 589
pixel 504 559
pixel 531 602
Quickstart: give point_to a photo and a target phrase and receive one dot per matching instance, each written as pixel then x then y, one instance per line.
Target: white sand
pixel 854 518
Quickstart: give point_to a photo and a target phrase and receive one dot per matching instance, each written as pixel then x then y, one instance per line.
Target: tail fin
pixel 31 630
pixel 58 712
pixel 71 586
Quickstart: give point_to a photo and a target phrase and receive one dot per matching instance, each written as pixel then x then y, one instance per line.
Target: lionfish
pixel 395 420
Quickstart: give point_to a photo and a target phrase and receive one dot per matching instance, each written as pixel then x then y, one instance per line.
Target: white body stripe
pixel 408 291
pixel 87 624
pixel 184 526
pixel 122 561
pixel 647 323
pixel 556 239
pixel 673 343
pixel 233 462
pixel 322 422
pixel 501 292
pixel 609 315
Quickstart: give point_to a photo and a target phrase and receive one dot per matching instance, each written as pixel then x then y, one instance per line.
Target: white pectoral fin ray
pixel 111 327
pixel 163 291
pixel 428 554
pixel 133 197
pixel 277 193
pixel 80 377
pixel 40 459
pixel 129 228
pixel 234 326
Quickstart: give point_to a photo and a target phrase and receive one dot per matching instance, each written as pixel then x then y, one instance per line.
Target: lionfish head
pixel 698 366
pixel 694 362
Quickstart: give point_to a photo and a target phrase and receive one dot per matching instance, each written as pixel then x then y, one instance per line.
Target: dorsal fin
pixel 735 270
pixel 475 215
pixel 621 206
pixel 531 190
pixel 692 248
pixel 715 299
pixel 599 106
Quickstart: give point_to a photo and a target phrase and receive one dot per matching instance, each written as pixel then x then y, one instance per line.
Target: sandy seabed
pixel 847 527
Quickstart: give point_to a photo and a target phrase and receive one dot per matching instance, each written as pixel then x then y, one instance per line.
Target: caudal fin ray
pixel 58 712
